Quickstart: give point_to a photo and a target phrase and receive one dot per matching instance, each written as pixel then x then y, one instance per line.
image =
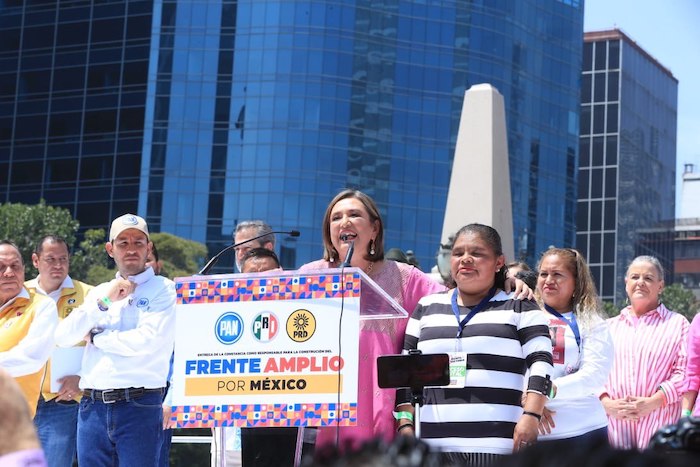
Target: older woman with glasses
pixel 644 390
pixel 582 348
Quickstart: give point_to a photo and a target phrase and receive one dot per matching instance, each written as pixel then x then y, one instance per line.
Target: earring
pixel 371 247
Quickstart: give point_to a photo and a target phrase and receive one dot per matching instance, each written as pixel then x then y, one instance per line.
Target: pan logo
pixel 229 328
pixel 265 326
pixel 301 325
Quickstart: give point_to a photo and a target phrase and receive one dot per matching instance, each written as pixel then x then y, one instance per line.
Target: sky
pixel 668 30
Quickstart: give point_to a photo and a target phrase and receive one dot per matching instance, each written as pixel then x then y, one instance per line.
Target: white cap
pixel 125 222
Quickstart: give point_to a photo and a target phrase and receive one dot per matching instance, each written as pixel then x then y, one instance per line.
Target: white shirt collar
pixel 66 284
pixel 140 278
pixel 22 294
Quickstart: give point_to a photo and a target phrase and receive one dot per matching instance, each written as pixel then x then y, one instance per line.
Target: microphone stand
pixel 215 258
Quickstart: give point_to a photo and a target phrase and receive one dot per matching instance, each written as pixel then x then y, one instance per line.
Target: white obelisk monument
pixel 480 183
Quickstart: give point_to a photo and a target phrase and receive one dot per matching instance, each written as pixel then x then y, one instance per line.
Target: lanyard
pixel 572 324
pixel 475 310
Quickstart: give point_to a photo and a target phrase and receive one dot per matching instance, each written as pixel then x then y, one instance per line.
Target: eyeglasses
pixel 50 260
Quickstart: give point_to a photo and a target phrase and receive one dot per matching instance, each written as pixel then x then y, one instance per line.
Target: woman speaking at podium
pixel 352 217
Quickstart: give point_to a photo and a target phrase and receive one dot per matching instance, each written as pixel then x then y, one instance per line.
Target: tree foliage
pixel 610 309
pixel 180 257
pixel 680 299
pixel 90 262
pixel 25 224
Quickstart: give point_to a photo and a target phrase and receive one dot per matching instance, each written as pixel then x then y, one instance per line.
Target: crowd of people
pixel 537 365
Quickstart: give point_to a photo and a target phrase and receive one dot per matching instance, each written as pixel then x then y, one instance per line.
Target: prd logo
pixel 301 325
pixel 229 328
pixel 265 326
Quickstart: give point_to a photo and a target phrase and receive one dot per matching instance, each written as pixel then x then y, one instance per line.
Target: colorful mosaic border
pixel 264 415
pixel 307 286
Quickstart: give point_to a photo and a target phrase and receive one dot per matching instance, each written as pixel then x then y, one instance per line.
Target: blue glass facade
pixel 266 109
pixel 72 94
pixel 627 159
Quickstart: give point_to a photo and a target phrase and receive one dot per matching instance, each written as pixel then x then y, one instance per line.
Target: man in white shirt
pixel 129 326
pixel 56 418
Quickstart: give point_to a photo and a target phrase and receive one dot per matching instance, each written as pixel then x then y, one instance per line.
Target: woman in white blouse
pixel 582 347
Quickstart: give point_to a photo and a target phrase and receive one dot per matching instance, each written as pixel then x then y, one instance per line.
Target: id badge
pixel 458 369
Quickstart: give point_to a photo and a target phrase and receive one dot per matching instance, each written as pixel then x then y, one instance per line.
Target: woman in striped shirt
pixel 647 377
pixel 492 340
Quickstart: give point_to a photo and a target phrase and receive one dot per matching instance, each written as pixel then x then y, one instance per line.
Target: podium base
pixel 271 447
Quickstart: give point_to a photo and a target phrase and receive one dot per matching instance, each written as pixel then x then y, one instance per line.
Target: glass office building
pixel 626 198
pixel 73 82
pixel 200 114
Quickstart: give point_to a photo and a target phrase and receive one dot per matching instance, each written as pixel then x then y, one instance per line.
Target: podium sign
pixel 267 349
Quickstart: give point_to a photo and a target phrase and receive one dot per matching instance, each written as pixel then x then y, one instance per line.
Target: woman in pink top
pixel 647 378
pixel 692 371
pixel 354 216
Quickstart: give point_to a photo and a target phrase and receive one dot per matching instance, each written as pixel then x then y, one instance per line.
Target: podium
pixel 276 349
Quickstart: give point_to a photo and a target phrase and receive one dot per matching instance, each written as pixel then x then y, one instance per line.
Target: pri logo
pixel 229 328
pixel 265 326
pixel 301 325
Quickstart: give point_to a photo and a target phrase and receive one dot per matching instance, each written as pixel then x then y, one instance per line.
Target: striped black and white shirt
pixel 502 341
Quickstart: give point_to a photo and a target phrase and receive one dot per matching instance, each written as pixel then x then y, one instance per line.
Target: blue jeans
pixel 126 433
pixel 166 441
pixel 56 425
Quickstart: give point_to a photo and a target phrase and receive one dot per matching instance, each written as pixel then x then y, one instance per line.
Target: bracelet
pixel 533 414
pixel 686 413
pixel 405 425
pixel 400 415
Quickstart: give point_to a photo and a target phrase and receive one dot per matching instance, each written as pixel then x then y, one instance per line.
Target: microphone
pixel 351 250
pixel 215 258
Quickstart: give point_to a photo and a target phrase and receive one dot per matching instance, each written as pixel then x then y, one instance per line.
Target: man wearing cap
pixel 56 417
pixel 27 324
pixel 129 326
